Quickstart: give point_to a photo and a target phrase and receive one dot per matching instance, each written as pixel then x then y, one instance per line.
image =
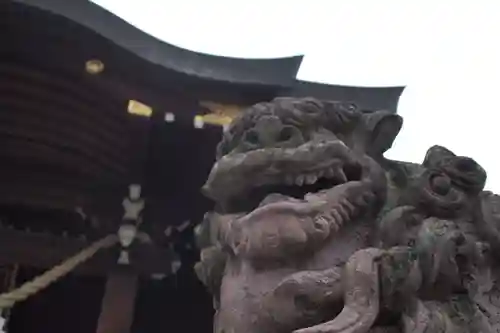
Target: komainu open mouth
pixel 245 180
pixel 298 186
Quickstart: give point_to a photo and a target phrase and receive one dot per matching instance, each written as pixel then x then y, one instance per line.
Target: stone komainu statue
pixel 315 231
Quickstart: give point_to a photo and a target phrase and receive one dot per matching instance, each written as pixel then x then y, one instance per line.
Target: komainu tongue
pixel 334 193
pixel 276 197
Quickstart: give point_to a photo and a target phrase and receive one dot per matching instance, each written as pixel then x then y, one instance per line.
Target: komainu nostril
pixel 290 135
pixel 458 238
pixel 252 137
pixel 441 184
pixel 285 134
pixel 272 136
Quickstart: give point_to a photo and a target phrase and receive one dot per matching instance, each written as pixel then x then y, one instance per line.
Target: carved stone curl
pixel 315 231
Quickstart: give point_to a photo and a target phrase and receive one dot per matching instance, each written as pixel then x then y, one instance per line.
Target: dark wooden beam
pixel 117 309
pixel 45 250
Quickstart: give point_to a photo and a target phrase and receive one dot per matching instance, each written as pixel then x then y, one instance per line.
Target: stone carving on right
pixel 314 231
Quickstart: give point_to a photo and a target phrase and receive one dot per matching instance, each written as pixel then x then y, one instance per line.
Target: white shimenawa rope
pixel 8 299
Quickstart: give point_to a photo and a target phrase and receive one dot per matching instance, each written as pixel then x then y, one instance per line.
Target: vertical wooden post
pixel 117 310
pixel 8 276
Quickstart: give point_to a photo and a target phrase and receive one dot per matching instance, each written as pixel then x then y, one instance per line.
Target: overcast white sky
pixel 445 51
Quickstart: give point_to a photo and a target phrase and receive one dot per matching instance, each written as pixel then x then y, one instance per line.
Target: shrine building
pixel 101 126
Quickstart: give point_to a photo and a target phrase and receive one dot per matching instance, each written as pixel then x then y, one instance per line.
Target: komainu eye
pixel 252 137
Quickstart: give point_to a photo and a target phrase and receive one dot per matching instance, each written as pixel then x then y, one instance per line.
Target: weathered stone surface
pixel 316 232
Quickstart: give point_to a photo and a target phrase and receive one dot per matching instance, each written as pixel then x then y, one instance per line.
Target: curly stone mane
pixel 299 112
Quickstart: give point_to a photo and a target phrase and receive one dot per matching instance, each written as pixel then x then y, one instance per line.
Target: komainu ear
pixel 383 127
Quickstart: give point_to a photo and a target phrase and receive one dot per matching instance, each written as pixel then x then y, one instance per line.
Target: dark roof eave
pixel 277 72
pixel 367 98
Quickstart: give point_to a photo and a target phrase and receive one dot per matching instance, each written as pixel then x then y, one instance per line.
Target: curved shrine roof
pixel 268 72
pixel 367 98
pixel 80 30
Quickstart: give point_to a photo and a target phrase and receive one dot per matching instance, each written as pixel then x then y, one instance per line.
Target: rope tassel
pixel 124 258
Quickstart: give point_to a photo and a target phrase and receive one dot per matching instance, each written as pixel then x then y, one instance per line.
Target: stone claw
pixel 361 297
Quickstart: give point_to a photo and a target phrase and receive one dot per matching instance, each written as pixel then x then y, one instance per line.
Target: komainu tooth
pixel 338 219
pixel 300 180
pixel 347 204
pixel 320 173
pixel 330 173
pixel 343 212
pixel 339 173
pixel 311 179
pixel 321 222
pixel 335 225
